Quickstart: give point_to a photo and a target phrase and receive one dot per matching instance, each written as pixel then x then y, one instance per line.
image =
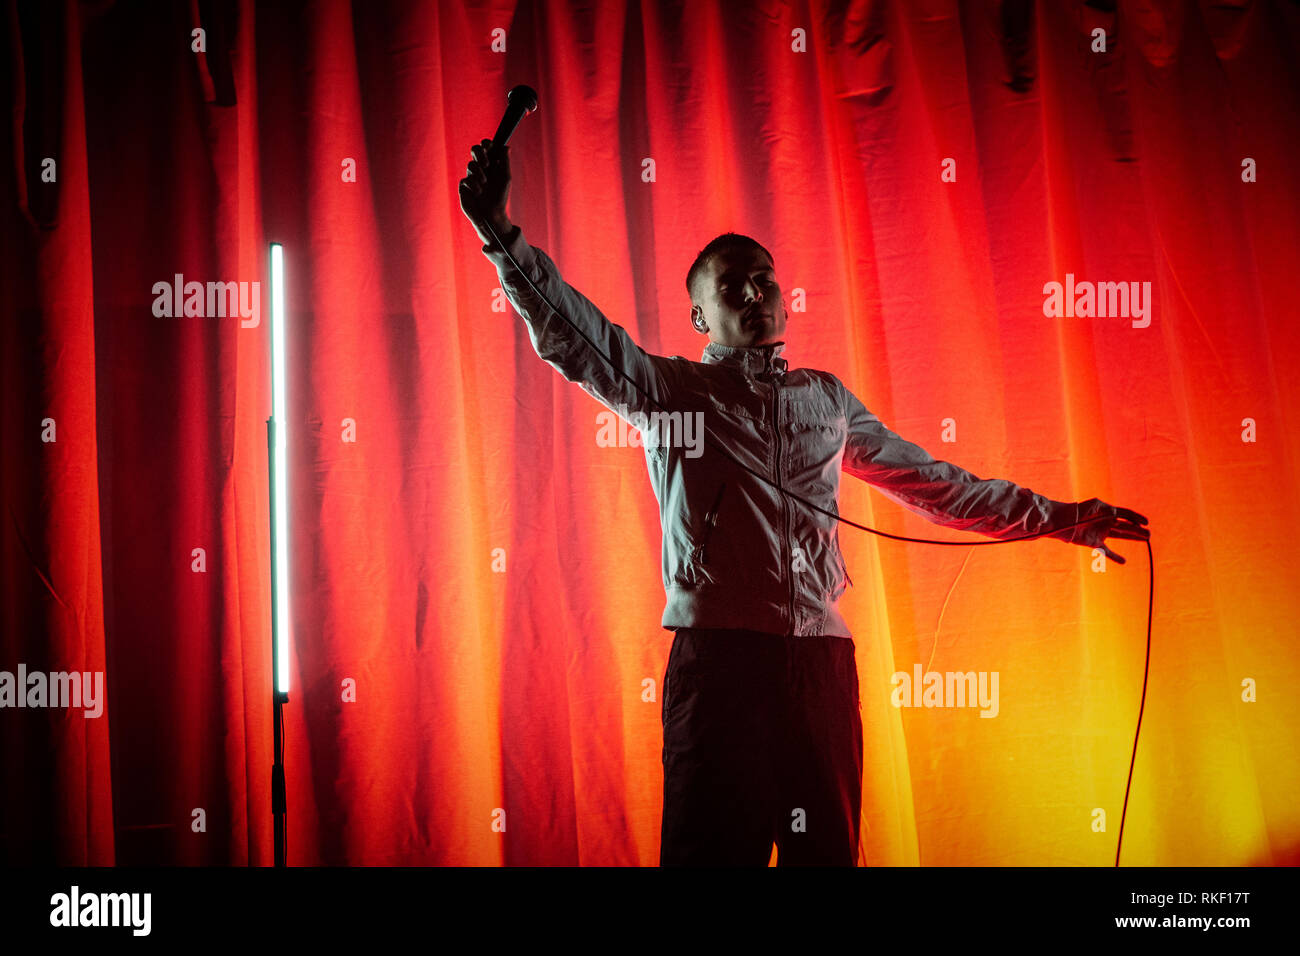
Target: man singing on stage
pixel 760 707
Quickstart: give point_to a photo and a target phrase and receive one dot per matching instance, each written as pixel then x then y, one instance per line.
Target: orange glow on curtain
pixel 485 574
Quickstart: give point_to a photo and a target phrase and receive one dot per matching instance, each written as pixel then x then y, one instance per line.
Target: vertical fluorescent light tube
pixel 278 413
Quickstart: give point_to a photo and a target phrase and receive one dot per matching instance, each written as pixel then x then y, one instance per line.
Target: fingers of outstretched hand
pixel 1131 515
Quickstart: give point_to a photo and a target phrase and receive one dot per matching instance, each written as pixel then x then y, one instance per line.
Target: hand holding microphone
pixel 486 186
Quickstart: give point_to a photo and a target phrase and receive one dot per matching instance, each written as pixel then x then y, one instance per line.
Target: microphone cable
pixel 789 494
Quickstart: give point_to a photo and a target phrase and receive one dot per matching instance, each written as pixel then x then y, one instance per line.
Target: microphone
pixel 522 99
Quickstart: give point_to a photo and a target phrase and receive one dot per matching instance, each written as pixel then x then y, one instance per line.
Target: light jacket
pixel 736 552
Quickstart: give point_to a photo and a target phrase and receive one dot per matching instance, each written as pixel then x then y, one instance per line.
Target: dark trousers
pixel 762 742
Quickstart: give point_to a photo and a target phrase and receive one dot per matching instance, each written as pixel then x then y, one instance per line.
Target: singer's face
pixel 740 300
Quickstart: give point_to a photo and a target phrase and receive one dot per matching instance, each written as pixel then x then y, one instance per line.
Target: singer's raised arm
pixel 560 345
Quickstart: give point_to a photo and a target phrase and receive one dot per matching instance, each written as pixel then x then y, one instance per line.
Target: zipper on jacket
pixel 785 508
pixel 710 520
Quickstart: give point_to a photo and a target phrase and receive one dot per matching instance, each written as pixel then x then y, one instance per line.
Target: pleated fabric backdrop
pixel 477 594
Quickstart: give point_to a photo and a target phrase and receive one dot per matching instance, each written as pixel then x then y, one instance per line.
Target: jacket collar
pixel 757 360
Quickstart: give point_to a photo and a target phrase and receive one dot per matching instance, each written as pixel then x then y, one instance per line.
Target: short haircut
pixel 726 242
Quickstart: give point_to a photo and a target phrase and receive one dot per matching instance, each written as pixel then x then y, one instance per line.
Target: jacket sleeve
pixel 556 342
pixel 940 491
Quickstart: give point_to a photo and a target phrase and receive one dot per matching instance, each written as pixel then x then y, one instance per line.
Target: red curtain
pixel 481 572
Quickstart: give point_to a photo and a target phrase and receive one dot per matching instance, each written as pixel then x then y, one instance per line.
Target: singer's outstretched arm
pixel 955 498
